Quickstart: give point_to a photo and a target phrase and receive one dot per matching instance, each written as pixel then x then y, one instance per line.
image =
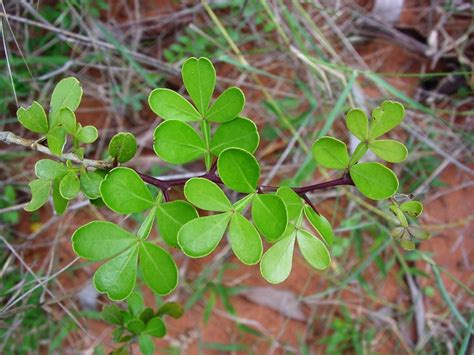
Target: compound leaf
pixel 199 77
pixel 199 237
pixel 100 240
pixel 49 169
pixel 239 170
pixel 33 118
pixel 40 190
pixel 321 224
pixel 374 180
pixel 386 117
pixel 117 277
pixel 177 142
pixel 227 106
pixel 206 195
pixel 123 191
pixel 170 105
pixel 123 147
pixel 158 268
pixel 389 150
pixel 69 186
pixel 226 136
pixel 270 216
pixel 245 240
pixel 358 124
pixel 314 251
pixel 171 216
pixel 331 153
pixel 276 263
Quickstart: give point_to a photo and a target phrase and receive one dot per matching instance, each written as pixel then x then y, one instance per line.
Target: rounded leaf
pixel 90 183
pixel 206 195
pixel 314 251
pixel 170 105
pixel 177 142
pixel 239 170
pixel 117 277
pixel 226 136
pixel 59 202
pixel 199 77
pixel 66 93
pixel 100 240
pixel 245 240
pixel 270 216
pixel 123 191
pixel 40 190
pixel 331 153
pixel 199 237
pixel 56 139
pixel 33 118
pixel 358 124
pixel 389 150
pixel 49 169
pixel 419 233
pixel 171 216
pixel 374 180
pixel 293 202
pixel 69 185
pixel 87 134
pixel 158 268
pixel 123 147
pixel 227 106
pixel 386 117
pixel 155 327
pixel 67 118
pixel 277 261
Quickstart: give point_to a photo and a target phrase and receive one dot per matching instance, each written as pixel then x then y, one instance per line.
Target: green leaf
pixel 56 138
pixel 171 216
pixel 241 204
pixel 158 268
pixel 245 240
pixel 276 263
pixel 146 315
pixel 135 303
pixel 226 137
pixel 398 232
pixel 293 202
pixel 60 203
pixel 321 224
pixel 123 147
pixel 331 153
pixel 199 77
pixel 419 233
pixel 67 93
pixel 112 314
pixel 123 191
pixel 155 327
pixel 48 169
pixel 90 184
pixel 145 342
pixel 135 326
pixel 386 117
pixel 100 240
pixel 87 134
pixel 177 142
pixel 117 277
pixel 270 216
pixel 199 237
pixel 389 150
pixel 227 106
pixel 407 244
pixel 67 119
pixel 172 309
pixel 358 124
pixel 314 251
pixel 40 190
pixel 170 105
pixel 374 180
pixel 359 152
pixel 33 118
pixel 412 208
pixel 69 186
pixel 206 195
pixel 239 170
pixel 145 229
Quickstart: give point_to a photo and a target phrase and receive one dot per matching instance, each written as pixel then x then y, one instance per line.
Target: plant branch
pixel 165 185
